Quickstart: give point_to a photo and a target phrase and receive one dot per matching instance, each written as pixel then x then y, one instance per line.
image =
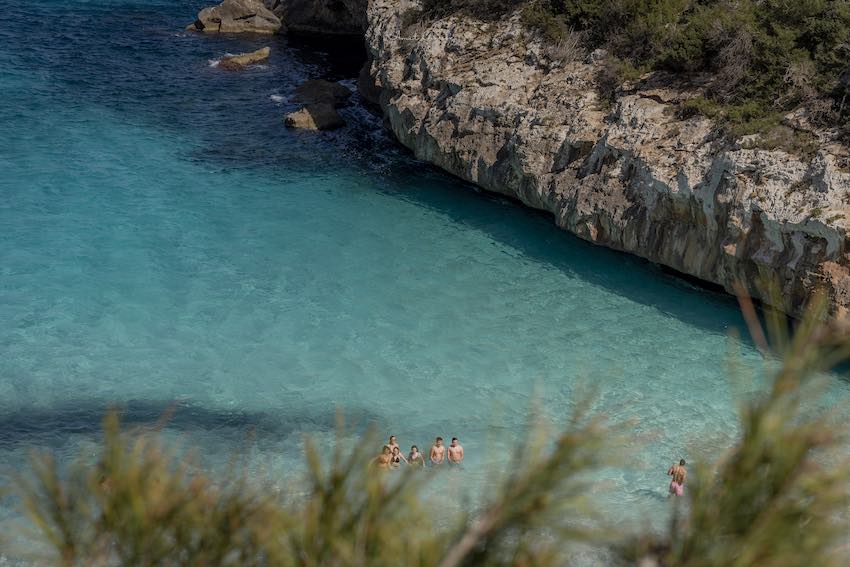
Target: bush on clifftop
pixel 761 58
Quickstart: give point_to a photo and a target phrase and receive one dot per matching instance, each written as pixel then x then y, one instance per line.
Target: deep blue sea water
pixel 163 239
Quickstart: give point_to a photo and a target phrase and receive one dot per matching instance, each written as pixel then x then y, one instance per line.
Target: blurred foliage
pixel 778 497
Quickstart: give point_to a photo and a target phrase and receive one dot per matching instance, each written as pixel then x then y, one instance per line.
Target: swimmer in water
pixel 393 443
pixel 396 458
pixel 415 458
pixel 455 453
pixel 437 454
pixel 679 473
pixel 382 461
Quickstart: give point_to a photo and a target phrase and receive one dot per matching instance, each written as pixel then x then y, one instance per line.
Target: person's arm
pixel 461 454
pixel 406 462
pixel 670 471
pixel 432 453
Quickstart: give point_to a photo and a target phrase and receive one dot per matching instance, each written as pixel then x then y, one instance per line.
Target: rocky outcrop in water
pixel 488 103
pixel 321 16
pixel 320 116
pixel 239 62
pixel 321 99
pixel 237 16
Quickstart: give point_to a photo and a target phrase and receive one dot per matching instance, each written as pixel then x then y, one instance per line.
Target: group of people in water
pixel 452 456
pixel 439 455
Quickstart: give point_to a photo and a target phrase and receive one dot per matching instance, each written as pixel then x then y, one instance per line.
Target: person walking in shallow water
pixel 679 473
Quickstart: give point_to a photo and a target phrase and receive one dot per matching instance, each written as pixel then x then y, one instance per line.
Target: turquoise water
pixel 163 239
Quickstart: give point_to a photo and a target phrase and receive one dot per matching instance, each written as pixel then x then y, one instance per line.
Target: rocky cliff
pixel 488 103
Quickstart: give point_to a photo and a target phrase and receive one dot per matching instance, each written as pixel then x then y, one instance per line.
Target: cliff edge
pixel 487 102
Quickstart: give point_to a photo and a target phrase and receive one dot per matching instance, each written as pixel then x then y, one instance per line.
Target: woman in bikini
pixel 397 458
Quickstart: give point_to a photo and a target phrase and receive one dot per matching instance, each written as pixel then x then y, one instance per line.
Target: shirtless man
pixel 455 453
pixel 438 453
pixel 393 444
pixel 679 473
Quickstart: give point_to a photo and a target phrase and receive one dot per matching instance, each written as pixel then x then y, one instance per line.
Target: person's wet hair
pixel 395 449
pixel 682 462
pixel 414 448
pixel 439 438
pixel 386 449
pixel 454 439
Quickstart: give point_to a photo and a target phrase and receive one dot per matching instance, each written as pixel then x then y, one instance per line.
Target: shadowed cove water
pixel 164 239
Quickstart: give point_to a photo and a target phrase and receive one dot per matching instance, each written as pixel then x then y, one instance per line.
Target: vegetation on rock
pixel 757 59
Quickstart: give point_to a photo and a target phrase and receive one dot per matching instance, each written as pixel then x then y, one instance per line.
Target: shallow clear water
pixel 164 239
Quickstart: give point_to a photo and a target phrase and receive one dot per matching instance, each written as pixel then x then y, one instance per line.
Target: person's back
pixel 679 474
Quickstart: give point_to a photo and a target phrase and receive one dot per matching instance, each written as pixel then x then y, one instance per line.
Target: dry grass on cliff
pixel 778 497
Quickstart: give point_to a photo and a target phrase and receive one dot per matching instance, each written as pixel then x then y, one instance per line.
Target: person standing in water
pixel 382 461
pixel 455 453
pixel 438 453
pixel 393 444
pixel 396 458
pixel 415 458
pixel 679 473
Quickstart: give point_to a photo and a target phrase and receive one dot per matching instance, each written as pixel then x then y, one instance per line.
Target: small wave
pixel 277 98
pixel 214 62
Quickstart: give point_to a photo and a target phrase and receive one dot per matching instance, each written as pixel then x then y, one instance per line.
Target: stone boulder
pixel 317 91
pixel 239 62
pixel 237 16
pixel 319 116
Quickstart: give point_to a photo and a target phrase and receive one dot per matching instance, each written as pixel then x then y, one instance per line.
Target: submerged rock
pixel 319 116
pixel 237 16
pixel 239 62
pixel 317 91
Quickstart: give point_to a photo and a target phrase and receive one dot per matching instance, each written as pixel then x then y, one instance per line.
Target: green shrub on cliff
pixel 761 58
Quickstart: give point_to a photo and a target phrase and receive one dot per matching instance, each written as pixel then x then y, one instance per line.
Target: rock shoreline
pixel 484 101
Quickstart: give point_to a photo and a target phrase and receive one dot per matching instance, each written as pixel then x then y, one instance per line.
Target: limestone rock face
pixel 237 16
pixel 239 62
pixel 321 16
pixel 486 102
pixel 319 116
pixel 319 90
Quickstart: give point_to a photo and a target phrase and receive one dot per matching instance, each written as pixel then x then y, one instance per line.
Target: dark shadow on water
pixel 51 427
pixel 534 235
